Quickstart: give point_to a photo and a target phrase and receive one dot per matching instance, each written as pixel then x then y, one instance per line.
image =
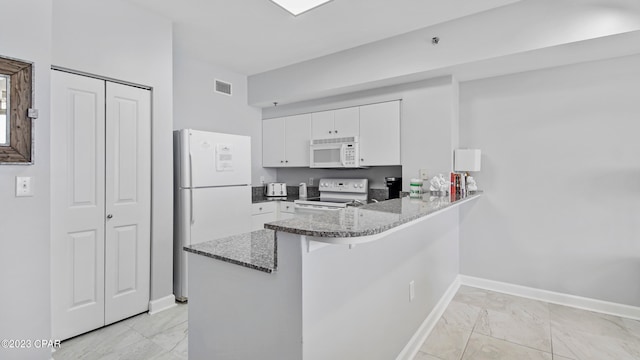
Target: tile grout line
pixel 473 329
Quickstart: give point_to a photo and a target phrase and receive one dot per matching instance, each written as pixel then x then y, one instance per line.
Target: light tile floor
pixel 480 324
pixel 162 336
pixel 477 325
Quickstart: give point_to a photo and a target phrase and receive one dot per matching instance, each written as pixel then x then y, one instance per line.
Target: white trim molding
pixel 605 307
pixel 413 346
pixel 162 304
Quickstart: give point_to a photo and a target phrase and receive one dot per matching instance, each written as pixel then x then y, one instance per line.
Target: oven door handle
pixel 315 207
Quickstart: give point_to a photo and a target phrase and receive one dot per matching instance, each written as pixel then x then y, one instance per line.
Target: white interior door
pixel 128 199
pixel 77 204
pixel 100 166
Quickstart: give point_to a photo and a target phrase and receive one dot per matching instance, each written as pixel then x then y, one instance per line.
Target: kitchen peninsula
pixel 350 284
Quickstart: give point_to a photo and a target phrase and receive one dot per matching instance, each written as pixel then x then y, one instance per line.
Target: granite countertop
pixel 258 249
pixel 370 219
pixel 255 250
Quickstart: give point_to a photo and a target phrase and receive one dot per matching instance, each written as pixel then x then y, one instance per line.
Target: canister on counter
pixel 415 188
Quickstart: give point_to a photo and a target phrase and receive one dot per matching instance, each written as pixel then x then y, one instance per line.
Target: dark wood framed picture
pixel 16 98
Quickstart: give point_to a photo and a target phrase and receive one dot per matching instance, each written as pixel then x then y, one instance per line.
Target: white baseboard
pixel 579 302
pixel 162 304
pixel 413 346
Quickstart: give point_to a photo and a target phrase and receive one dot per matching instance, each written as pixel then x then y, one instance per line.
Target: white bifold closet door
pixel 101 202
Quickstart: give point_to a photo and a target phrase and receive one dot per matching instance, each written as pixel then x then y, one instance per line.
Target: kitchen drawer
pixel 263 208
pixel 287 207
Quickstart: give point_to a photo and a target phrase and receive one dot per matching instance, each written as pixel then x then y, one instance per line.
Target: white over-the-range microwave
pixel 335 153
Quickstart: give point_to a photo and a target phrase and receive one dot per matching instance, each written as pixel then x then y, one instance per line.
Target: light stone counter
pixel 354 225
pixel 255 250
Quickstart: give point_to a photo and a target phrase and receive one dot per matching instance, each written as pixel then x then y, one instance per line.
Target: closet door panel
pixel 128 201
pixel 77 204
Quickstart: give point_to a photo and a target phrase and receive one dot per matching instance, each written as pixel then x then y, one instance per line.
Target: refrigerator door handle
pixel 191 191
pixel 191 206
pixel 190 172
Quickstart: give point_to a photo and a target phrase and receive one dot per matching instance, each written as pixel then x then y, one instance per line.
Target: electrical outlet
pixel 423 174
pixel 310 181
pixel 412 290
pixel 262 180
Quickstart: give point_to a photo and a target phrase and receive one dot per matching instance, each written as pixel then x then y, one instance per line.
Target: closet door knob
pixel 110 216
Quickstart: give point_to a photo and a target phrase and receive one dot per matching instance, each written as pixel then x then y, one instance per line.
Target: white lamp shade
pixel 466 160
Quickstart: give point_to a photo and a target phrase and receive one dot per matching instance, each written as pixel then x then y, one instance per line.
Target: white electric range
pixel 336 194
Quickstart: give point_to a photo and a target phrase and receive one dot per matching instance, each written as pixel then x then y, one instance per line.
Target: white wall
pixel 519 28
pixel 561 172
pixel 197 106
pixel 373 278
pixel 24 222
pixel 118 40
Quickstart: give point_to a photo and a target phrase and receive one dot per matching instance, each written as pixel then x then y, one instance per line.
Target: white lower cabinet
pixel 286 210
pixel 264 212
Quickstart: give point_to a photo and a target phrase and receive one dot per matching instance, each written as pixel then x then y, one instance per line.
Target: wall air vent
pixel 223 87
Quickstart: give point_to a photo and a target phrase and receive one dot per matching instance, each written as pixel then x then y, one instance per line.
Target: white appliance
pixel 212 193
pixel 335 194
pixel 275 189
pixel 335 153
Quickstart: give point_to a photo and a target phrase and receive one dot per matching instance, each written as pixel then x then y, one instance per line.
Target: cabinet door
pixel 380 134
pixel 347 122
pixel 297 135
pixel 273 142
pixel 322 124
pixel 258 221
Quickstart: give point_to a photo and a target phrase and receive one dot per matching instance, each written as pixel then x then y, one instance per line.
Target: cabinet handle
pixel 329 131
pixel 361 159
pixel 335 131
pixel 260 209
pixel 281 161
pixel 286 161
pixel 110 216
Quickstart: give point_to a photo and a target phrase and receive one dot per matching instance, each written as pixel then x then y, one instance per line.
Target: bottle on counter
pixel 415 188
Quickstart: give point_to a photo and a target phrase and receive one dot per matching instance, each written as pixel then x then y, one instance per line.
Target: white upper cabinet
pixel 285 141
pixel 322 124
pixel 297 135
pixel 335 123
pixel 380 134
pixel 273 142
pixel 347 122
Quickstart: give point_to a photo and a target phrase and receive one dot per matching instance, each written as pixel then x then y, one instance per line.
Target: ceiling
pixel 254 36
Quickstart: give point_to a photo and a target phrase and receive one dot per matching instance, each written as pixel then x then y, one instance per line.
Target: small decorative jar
pixel 415 188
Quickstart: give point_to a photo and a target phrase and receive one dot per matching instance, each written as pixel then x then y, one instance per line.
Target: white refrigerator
pixel 212 193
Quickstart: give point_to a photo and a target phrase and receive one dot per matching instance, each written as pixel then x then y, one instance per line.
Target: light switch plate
pixel 24 186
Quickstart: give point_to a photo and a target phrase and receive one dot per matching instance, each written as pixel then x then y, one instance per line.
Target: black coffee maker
pixel 394 184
